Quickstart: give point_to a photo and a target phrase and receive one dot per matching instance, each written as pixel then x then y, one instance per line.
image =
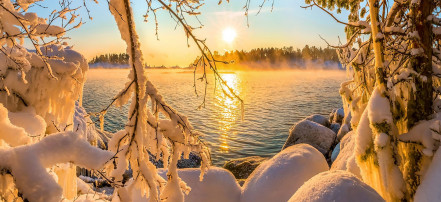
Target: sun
pixel 229 34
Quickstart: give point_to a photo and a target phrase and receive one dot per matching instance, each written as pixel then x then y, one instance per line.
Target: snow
pixel 335 185
pixel 27 119
pixel 423 133
pixel 218 185
pixel 19 137
pixel 430 185
pixel 37 184
pixel 278 178
pixel 378 169
pixel 346 158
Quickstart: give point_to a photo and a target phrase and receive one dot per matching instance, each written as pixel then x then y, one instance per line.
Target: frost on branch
pixel 28 163
pixel 145 133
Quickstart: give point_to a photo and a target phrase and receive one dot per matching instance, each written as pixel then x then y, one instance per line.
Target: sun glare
pixel 229 34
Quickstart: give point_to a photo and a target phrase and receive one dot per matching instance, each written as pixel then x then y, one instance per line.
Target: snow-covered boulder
pixel 337 116
pixel 320 119
pixel 218 185
pixel 345 128
pixel 335 185
pixel 346 157
pixel 320 137
pixel 243 167
pixel 278 178
pixel 335 152
pixel 335 127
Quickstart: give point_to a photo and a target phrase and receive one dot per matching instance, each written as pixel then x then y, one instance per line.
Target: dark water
pixel 274 101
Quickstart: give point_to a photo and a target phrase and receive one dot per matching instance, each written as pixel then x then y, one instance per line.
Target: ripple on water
pixel 274 101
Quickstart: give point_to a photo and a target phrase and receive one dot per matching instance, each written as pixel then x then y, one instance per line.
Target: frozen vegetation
pixel 387 145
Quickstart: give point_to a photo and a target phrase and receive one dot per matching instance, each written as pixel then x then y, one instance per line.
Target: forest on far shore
pixel 254 58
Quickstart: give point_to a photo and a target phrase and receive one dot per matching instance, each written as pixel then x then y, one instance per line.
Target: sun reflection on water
pixel 227 110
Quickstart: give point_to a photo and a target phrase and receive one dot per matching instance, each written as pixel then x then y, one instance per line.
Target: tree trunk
pixel 419 105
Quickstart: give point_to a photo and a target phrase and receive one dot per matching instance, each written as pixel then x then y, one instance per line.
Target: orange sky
pixel 286 25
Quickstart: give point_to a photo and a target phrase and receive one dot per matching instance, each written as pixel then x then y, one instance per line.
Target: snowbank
pixel 311 133
pixel 346 158
pixel 218 185
pixel 336 185
pixel 278 178
pixel 429 189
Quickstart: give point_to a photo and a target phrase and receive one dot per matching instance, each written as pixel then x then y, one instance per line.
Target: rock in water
pixel 194 161
pixel 345 128
pixel 335 185
pixel 335 127
pixel 311 133
pixel 320 119
pixel 243 167
pixel 338 116
pixel 278 178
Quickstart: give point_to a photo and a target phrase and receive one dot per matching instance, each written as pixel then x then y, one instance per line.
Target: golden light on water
pixel 227 111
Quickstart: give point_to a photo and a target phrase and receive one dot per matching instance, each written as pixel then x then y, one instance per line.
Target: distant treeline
pixel 113 58
pixel 288 56
pixel 277 55
pixel 273 57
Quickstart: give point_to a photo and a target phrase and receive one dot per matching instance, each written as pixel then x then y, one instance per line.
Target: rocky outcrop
pixel 337 116
pixel 320 119
pixel 316 135
pixel 243 167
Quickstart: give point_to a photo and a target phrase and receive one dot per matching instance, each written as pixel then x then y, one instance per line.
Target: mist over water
pixel 274 101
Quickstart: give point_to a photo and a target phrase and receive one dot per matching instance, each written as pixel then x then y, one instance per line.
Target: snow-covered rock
pixel 346 158
pixel 335 185
pixel 218 185
pixel 335 152
pixel 311 133
pixel 345 128
pixel 243 167
pixel 278 178
pixel 337 116
pixel 320 119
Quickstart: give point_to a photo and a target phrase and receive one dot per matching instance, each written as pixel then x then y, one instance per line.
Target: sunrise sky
pixel 286 25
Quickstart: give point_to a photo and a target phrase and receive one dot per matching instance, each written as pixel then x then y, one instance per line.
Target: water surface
pixel 273 102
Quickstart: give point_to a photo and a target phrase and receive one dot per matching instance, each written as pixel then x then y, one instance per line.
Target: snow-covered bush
pixel 392 53
pixel 44 131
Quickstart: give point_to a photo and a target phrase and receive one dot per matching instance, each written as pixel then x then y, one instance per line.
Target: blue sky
pixel 286 25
